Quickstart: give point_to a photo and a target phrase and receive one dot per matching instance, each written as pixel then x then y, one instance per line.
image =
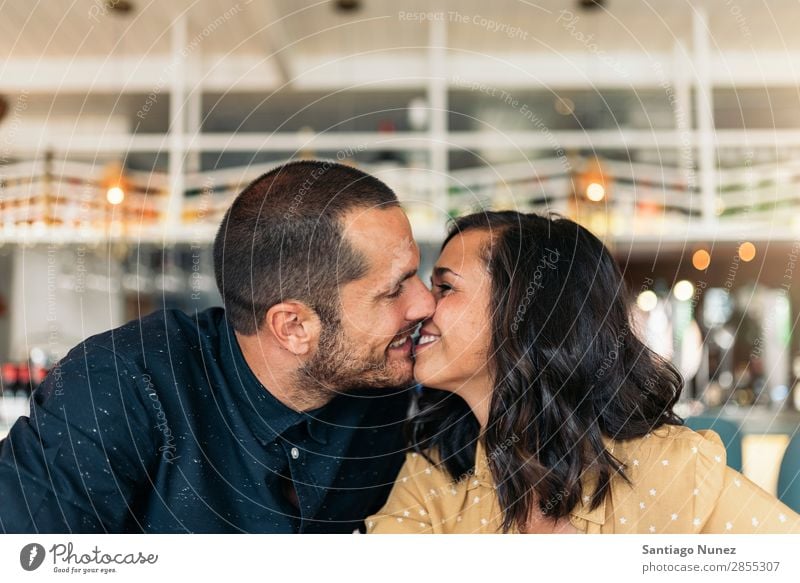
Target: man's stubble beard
pixel 337 368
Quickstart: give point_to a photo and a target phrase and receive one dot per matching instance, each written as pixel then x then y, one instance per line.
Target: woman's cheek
pixel 442 316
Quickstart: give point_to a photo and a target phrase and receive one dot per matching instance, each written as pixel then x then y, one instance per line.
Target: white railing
pixel 43 200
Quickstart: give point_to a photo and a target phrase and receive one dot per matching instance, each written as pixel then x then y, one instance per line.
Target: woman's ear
pixel 295 327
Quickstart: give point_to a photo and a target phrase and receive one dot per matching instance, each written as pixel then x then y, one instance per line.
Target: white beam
pixel 387 70
pixel 177 124
pixel 704 104
pixel 194 117
pixel 437 100
pixel 682 112
pixel 277 44
pixel 83 75
pixel 400 141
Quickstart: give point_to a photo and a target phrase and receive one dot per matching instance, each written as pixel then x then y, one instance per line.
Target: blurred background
pixel 671 129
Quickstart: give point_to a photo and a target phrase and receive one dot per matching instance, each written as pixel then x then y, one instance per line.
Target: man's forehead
pixel 394 260
pixel 375 220
pixel 370 228
pixel 382 234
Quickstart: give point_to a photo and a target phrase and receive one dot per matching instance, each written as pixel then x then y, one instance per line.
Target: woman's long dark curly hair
pixel 567 369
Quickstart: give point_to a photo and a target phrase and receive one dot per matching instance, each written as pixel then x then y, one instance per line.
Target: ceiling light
pixel 701 259
pixel 595 192
pixel 683 290
pixel 747 251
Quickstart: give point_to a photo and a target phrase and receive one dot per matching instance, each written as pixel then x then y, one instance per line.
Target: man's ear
pixel 295 327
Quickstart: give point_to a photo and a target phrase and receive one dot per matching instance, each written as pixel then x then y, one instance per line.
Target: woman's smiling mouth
pixel 425 340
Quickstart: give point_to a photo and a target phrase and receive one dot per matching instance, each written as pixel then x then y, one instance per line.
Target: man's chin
pixel 404 368
pixel 396 374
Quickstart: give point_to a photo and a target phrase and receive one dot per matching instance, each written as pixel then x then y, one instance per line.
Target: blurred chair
pixel 789 476
pixel 728 431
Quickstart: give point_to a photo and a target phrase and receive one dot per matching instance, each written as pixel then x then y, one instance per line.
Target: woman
pixel 550 415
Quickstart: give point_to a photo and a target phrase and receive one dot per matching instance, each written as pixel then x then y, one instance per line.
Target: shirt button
pixel 295 453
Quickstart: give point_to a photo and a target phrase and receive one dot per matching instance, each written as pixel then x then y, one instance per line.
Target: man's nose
pixel 422 304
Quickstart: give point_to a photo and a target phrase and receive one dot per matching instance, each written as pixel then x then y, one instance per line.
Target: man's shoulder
pixel 135 357
pixel 156 332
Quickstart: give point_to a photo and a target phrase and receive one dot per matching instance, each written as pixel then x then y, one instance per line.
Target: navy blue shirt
pixel 161 426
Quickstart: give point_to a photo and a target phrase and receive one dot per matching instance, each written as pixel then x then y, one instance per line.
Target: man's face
pixel 372 346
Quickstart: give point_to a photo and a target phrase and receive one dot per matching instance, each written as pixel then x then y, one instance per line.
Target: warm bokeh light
pixel 701 259
pixel 115 195
pixel 565 106
pixel 647 300
pixel 683 290
pixel 595 192
pixel 747 251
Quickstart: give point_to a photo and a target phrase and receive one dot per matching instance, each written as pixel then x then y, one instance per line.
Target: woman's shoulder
pixel 676 461
pixel 685 434
pixel 683 440
pixel 680 459
pixel 673 442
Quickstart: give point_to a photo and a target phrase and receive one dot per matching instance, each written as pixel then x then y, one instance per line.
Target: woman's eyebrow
pixel 440 271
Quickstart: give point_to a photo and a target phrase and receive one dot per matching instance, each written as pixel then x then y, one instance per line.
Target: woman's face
pixel 453 348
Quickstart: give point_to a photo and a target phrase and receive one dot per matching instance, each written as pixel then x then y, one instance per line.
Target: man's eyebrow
pixel 407 275
pixel 440 271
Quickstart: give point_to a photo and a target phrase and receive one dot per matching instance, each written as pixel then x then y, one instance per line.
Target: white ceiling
pixel 305 45
pixel 308 28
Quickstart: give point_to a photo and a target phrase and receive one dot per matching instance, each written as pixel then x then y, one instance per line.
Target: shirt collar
pixel 265 415
pixel 483 474
pixel 583 510
pixel 483 477
pixel 318 427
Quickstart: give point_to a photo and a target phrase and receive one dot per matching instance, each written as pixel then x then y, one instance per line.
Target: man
pixel 281 413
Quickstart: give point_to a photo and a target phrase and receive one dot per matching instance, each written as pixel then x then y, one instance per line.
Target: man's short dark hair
pixel 282 238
